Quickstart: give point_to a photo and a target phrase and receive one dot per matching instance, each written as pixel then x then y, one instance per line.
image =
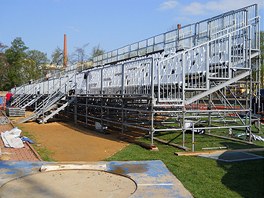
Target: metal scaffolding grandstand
pixel 183 80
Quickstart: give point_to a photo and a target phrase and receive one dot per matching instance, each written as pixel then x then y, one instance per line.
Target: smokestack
pixel 65 57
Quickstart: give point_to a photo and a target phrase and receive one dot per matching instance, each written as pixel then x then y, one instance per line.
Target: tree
pixel 18 65
pixel 57 57
pixel 2 47
pixel 96 51
pixel 80 56
pixel 16 56
pixel 37 61
pixel 3 67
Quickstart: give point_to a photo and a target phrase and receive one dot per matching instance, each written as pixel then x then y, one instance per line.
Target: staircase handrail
pixel 55 92
pixel 205 43
pixel 27 95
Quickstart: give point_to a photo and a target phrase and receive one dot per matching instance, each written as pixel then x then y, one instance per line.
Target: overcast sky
pixel 109 23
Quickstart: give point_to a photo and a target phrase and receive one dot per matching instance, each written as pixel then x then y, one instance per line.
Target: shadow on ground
pixel 244 177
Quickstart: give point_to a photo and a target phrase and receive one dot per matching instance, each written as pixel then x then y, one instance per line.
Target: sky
pixel 109 23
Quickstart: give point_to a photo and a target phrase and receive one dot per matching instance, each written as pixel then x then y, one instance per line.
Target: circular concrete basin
pixel 69 184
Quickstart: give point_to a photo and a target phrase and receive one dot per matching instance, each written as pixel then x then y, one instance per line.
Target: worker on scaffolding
pixel 8 97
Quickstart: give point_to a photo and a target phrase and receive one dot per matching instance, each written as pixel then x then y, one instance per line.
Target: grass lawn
pixel 205 177
pixel 203 141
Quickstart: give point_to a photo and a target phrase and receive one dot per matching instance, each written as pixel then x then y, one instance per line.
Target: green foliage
pixel 96 51
pixel 16 56
pixel 36 63
pixel 39 58
pixel 18 65
pixel 57 56
pixel 3 66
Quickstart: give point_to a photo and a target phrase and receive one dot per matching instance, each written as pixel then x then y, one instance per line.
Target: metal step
pixel 43 109
pixel 17 100
pixel 57 110
pixel 48 103
pixel 216 88
pixel 32 101
pixel 33 116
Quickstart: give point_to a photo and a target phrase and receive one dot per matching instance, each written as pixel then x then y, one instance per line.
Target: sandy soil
pixel 71 143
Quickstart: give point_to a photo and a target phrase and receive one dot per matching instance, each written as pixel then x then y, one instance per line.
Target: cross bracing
pixel 186 80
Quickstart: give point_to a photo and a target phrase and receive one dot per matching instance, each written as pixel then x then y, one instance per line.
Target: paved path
pixel 22 154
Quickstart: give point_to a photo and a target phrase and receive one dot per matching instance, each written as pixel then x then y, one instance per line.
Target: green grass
pixel 204 177
pixel 44 153
pixel 203 141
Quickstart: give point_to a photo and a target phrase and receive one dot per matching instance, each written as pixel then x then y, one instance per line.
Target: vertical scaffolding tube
pixel 152 130
pixel 251 87
pixel 193 141
pixel 183 99
pixel 101 99
pixel 75 110
pixel 122 96
pixel 183 126
pixel 210 113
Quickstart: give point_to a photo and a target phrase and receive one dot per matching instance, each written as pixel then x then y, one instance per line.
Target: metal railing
pixel 184 38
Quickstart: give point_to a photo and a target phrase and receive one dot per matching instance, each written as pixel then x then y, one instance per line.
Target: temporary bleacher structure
pixel 47 97
pixel 184 79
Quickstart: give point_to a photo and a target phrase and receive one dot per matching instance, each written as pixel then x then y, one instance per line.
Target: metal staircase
pixel 205 68
pixel 25 94
pixel 44 108
pixel 217 87
pixel 57 110
pixel 34 99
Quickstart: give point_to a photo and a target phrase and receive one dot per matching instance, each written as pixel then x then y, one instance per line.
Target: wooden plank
pixel 171 144
pixel 199 153
pixel 142 144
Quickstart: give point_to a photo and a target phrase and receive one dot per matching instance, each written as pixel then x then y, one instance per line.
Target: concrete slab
pixel 152 178
pixel 69 184
pixel 232 156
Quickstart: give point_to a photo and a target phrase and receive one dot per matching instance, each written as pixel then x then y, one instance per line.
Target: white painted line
pixel 54 167
pixel 161 184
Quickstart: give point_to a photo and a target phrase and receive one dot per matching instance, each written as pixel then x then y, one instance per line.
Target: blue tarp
pixel 1 100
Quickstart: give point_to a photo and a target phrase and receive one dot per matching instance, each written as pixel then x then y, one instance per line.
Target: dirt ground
pixel 72 143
